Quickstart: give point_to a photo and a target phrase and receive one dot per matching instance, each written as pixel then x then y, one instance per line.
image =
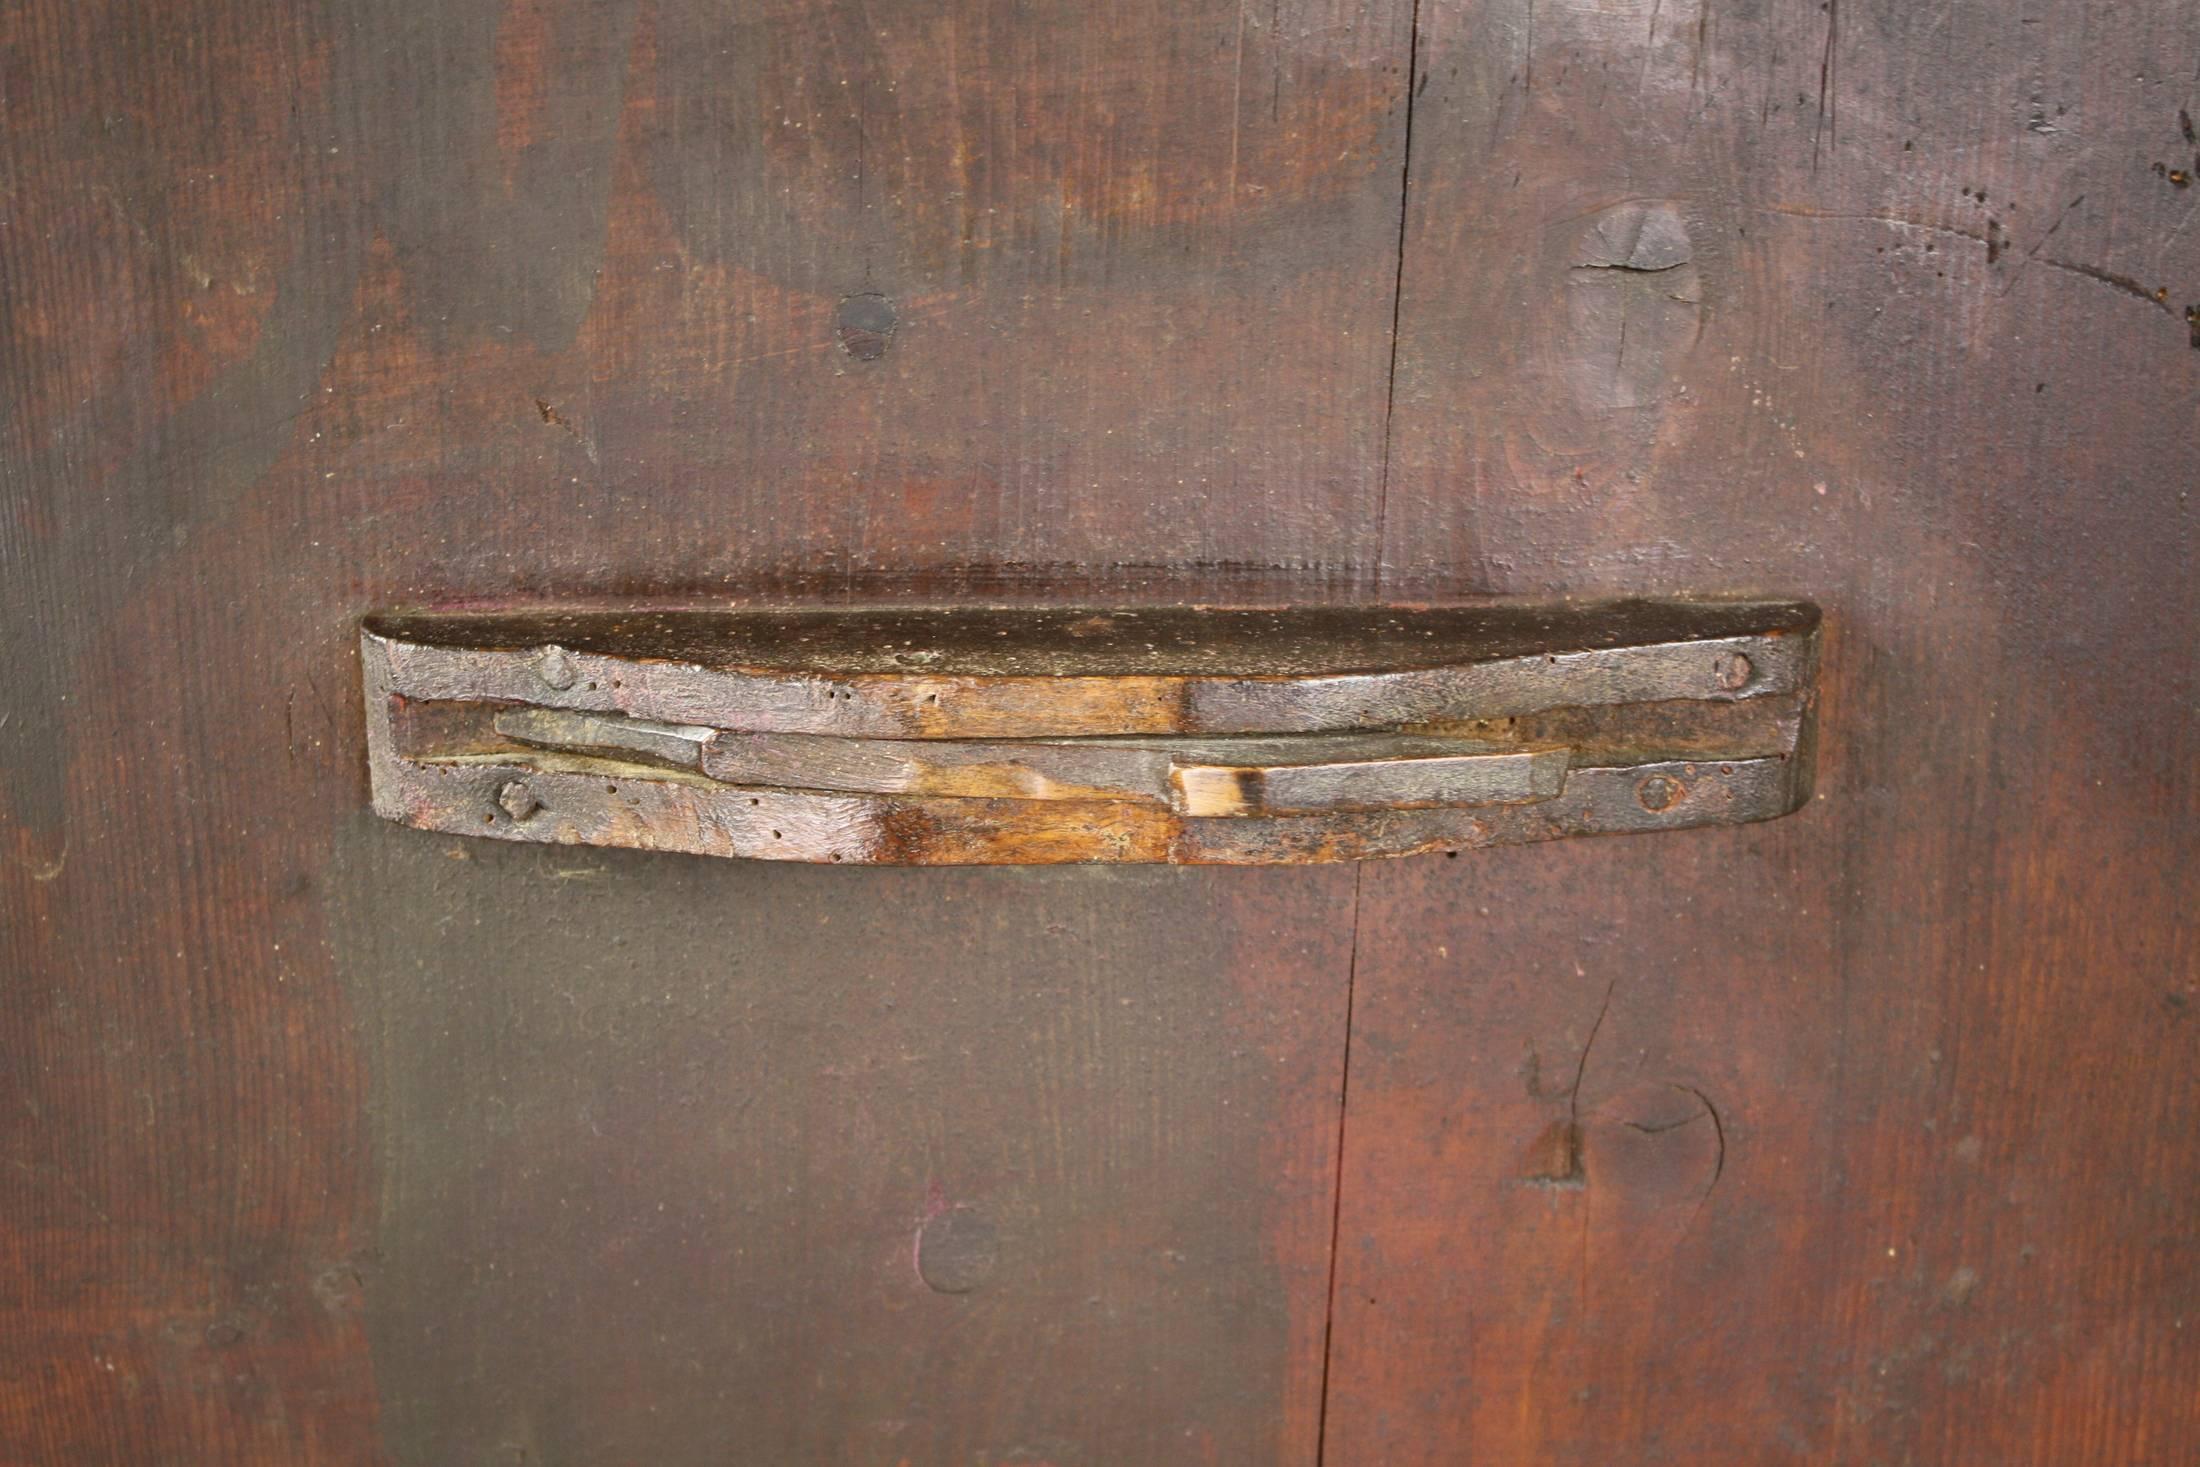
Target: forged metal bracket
pixel 919 736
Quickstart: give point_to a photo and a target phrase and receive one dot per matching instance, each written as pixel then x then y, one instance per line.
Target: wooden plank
pixel 316 309
pixel 1050 643
pixel 1859 1137
pixel 843 1166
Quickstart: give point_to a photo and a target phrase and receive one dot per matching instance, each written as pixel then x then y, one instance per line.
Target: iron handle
pixel 1181 734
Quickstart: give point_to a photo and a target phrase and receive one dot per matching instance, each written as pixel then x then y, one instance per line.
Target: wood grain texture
pixel 839 1166
pixel 1865 1137
pixel 315 309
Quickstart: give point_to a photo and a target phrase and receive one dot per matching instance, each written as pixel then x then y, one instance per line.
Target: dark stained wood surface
pixel 1099 641
pixel 313 310
pixel 1866 1137
pixel 843 1166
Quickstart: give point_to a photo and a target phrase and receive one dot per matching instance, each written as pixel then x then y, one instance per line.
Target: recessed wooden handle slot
pixel 1159 734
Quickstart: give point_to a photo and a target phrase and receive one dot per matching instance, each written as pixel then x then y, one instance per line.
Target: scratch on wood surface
pixel 1764 104
pixel 1237 117
pixel 1336 1209
pixel 1828 130
pixel 863 139
pixel 53 868
pixel 1718 1131
pixel 1397 290
pixel 1703 44
pixel 1901 221
pixel 2041 243
pixel 1581 1067
pixel 1573 1137
pixel 1649 47
pixel 1527 80
pixel 1559 1160
pixel 550 415
pixel 2156 296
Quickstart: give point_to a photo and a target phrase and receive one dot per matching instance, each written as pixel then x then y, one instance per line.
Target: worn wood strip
pixel 1052 642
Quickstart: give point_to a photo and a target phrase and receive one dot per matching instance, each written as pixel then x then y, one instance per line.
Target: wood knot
pixel 866 325
pixel 957 1250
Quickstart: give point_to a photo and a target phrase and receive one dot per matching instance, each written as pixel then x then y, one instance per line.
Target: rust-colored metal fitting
pixel 1190 734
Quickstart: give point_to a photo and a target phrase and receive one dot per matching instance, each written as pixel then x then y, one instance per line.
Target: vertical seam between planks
pixel 1336 1193
pixel 1397 293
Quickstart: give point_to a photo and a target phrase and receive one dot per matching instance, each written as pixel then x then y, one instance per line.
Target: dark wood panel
pixel 1862 1137
pixel 848 1167
pixel 315 309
